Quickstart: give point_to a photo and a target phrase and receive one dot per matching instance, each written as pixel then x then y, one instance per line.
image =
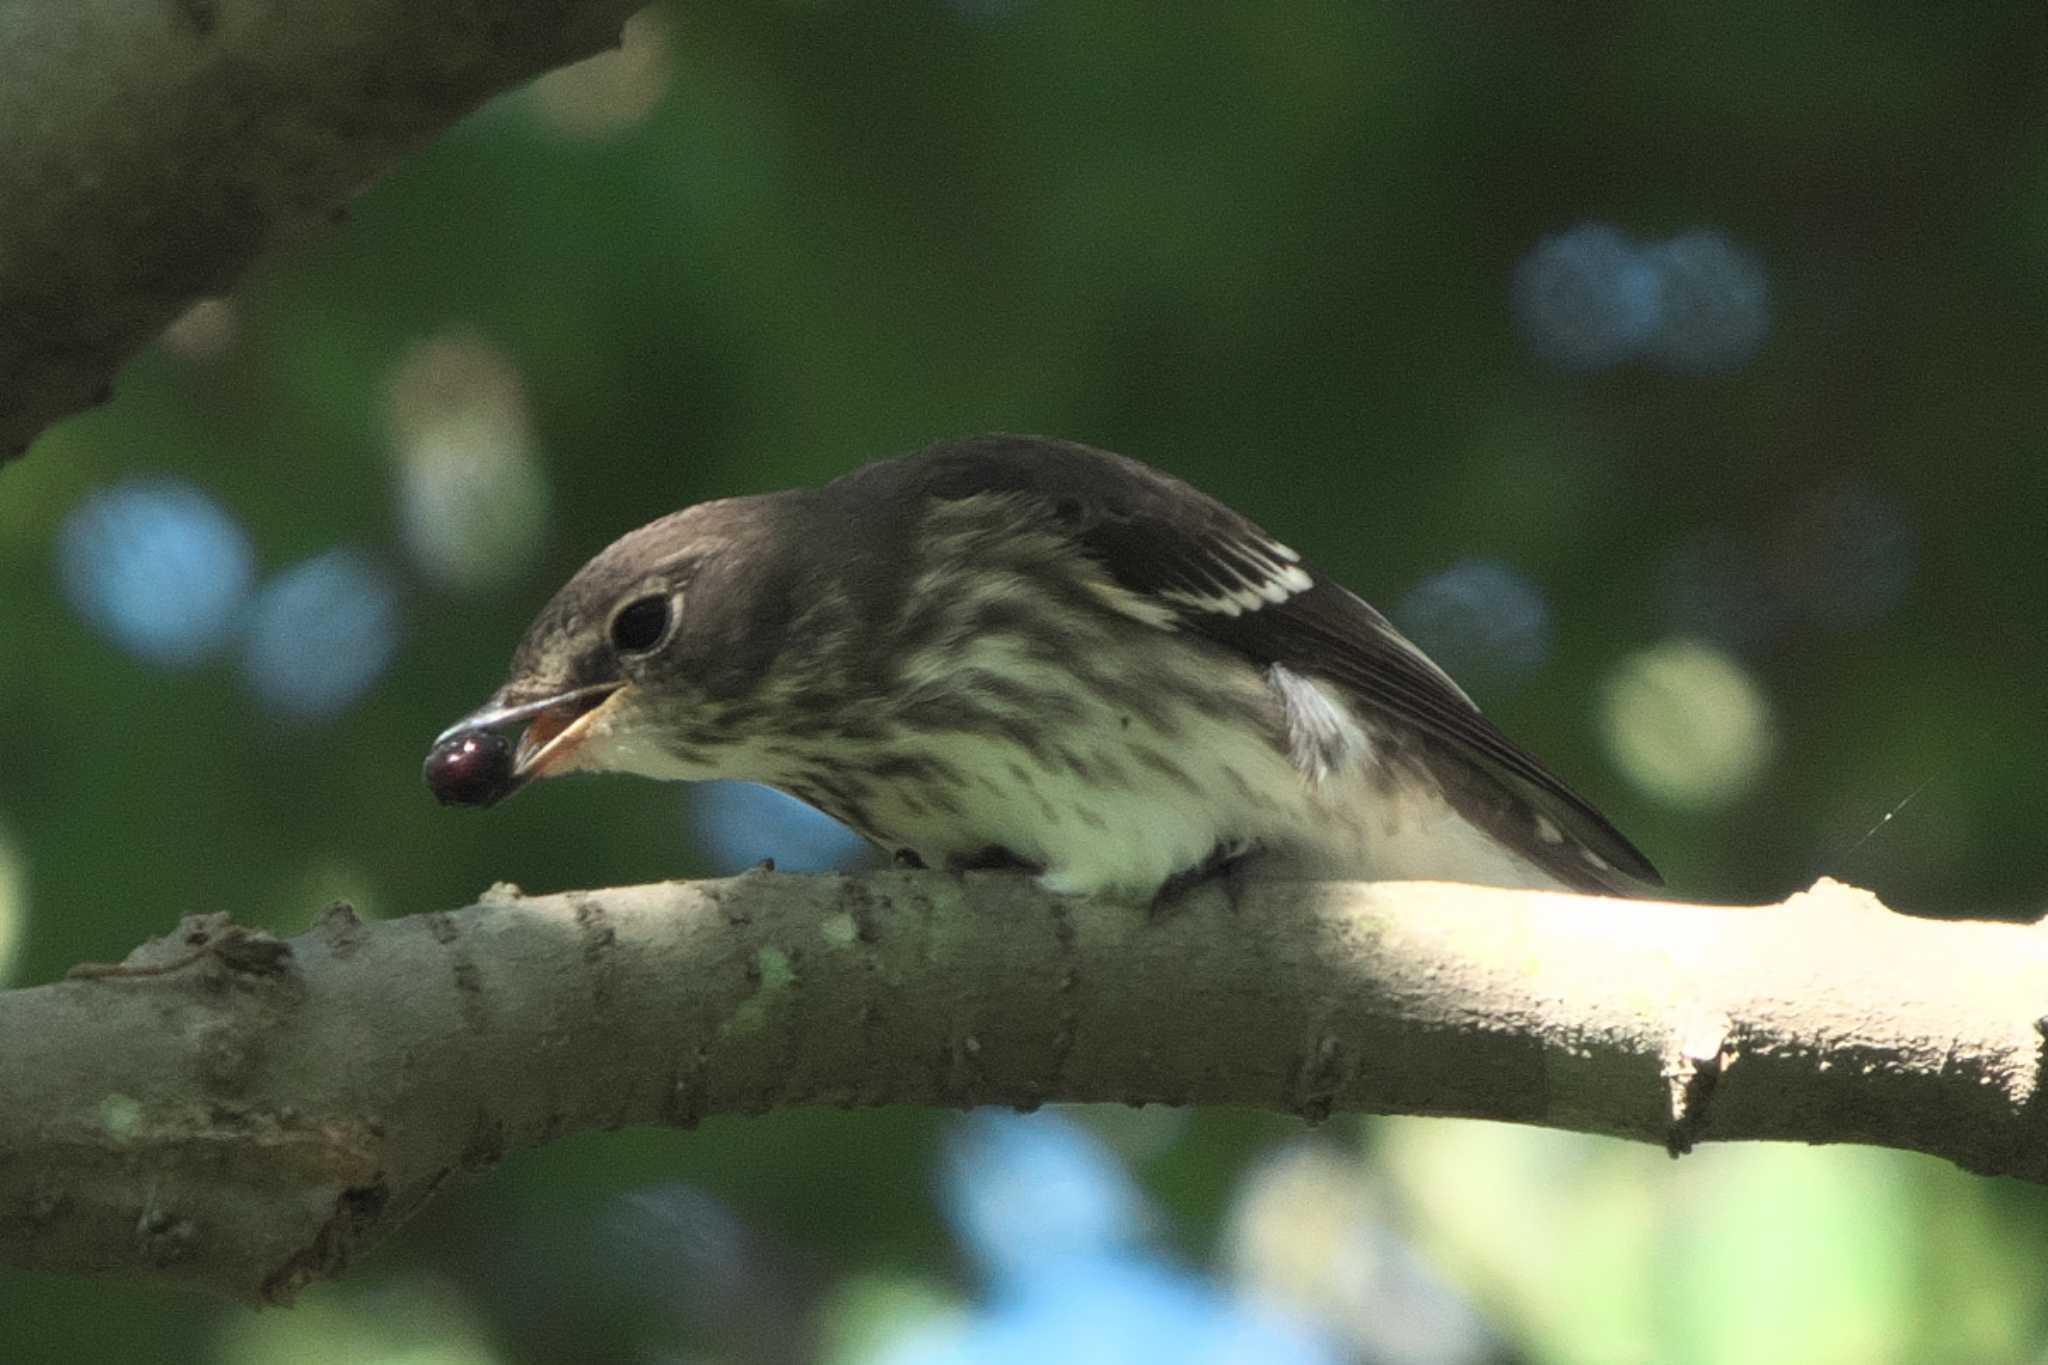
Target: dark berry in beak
pixel 472 768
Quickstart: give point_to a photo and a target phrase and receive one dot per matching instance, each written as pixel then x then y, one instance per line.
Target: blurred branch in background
pixel 238 1114
pixel 149 152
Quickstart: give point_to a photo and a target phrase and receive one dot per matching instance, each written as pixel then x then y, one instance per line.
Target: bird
pixel 1017 652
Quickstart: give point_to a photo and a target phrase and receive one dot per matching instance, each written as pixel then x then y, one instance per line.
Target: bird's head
pixel 644 661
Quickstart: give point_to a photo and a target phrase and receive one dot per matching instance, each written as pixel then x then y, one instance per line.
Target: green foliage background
pixel 1267 247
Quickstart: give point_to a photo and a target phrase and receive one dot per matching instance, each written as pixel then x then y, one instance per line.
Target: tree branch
pixel 238 1114
pixel 148 152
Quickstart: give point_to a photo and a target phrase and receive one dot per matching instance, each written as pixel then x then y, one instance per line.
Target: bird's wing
pixel 1218 574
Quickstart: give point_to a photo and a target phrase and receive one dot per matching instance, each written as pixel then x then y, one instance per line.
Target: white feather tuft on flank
pixel 1322 736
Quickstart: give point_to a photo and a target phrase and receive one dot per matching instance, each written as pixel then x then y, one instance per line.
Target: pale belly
pixel 1121 815
pixel 1135 808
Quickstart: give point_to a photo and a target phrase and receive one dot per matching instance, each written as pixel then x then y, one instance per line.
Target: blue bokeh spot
pixel 1057 1225
pixel 1716 304
pixel 1479 617
pixel 320 634
pixel 739 824
pixel 157 567
pixel 1591 298
pixel 1585 300
pixel 1024 1191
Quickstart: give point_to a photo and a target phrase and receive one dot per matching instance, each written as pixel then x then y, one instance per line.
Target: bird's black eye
pixel 640 625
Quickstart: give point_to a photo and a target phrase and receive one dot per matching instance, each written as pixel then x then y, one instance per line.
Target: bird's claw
pixel 1222 864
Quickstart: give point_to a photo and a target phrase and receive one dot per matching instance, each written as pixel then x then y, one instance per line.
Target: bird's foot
pixel 1222 865
pixel 994 858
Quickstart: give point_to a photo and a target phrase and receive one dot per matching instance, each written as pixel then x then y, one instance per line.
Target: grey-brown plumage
pixel 1022 651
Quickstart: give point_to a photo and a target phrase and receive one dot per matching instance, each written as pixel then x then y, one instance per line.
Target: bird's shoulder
pixel 1186 561
pixel 1182 553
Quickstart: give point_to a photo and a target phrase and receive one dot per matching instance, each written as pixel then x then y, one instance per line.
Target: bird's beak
pixel 468 764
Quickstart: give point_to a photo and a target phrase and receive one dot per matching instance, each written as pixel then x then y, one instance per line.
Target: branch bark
pixel 241 1115
pixel 148 152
